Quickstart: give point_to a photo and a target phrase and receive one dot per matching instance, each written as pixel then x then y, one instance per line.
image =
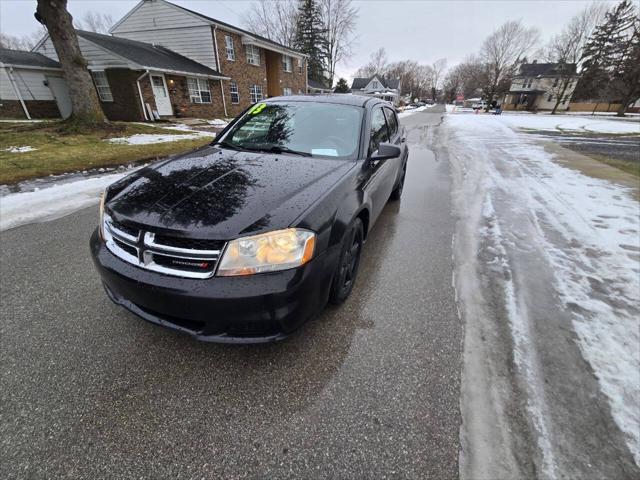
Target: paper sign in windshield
pixel 329 152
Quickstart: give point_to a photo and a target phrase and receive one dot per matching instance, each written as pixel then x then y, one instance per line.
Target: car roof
pixel 341 99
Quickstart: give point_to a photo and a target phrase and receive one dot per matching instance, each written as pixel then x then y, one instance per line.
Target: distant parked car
pixel 479 105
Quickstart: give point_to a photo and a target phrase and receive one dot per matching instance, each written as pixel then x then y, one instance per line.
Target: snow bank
pixel 19 149
pixel 148 138
pixel 411 112
pixel 54 202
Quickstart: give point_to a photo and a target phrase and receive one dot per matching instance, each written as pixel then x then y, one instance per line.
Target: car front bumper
pixel 252 309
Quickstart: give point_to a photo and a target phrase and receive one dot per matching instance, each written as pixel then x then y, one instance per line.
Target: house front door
pixel 161 94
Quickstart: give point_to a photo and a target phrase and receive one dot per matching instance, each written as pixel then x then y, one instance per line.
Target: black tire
pixel 397 192
pixel 347 269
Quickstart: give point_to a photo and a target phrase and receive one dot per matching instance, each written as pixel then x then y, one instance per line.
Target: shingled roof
pixel 26 59
pixel 389 83
pixel 148 55
pixel 546 69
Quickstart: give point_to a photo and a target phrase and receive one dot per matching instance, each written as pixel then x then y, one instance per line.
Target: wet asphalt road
pixel 367 390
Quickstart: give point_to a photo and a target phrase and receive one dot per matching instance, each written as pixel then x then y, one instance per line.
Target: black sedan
pixel 246 239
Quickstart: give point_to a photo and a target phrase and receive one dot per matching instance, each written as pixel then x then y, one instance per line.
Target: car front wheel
pixel 347 270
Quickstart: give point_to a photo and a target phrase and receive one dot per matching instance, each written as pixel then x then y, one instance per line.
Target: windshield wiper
pixel 282 149
pixel 233 146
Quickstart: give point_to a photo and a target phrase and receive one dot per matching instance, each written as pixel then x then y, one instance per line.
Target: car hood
pixel 223 194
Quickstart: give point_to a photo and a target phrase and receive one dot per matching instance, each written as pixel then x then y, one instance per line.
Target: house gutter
pixel 12 81
pixel 144 109
pixel 215 44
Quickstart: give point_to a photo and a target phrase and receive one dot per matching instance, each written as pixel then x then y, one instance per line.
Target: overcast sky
pixel 421 30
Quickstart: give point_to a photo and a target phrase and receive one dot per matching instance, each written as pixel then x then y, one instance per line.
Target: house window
pixel 550 98
pixel 102 86
pixel 286 91
pixel 564 100
pixel 287 63
pixel 299 65
pixel 255 92
pixel 235 95
pixel 555 81
pixel 375 85
pixel 199 90
pixel 253 54
pixel 228 46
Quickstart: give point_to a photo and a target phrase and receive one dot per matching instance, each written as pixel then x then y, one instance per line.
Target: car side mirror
pixel 385 152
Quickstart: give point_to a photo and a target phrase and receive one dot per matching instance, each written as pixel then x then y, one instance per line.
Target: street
pixel 367 390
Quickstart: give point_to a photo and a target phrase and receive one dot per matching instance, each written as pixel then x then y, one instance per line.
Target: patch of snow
pixel 19 149
pixel 53 202
pixel 217 122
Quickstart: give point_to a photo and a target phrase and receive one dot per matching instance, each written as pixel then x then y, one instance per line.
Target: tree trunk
pixel 560 97
pixel 84 100
pixel 624 105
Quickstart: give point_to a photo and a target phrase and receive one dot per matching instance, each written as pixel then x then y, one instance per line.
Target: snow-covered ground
pixel 412 111
pixel 563 246
pixel 53 202
pixel 568 124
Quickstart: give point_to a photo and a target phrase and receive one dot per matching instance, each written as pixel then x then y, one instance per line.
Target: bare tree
pixel 86 109
pixel 565 49
pixel 23 42
pixel 502 52
pixel 376 65
pixel 95 22
pixel 276 21
pixel 438 68
pixel 339 18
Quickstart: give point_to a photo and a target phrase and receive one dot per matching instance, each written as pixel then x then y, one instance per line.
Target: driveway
pixel 367 390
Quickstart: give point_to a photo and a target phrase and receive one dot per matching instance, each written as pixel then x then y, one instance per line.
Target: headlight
pixel 268 252
pixel 101 214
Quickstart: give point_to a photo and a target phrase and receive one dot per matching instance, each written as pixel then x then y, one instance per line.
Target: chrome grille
pixel 154 252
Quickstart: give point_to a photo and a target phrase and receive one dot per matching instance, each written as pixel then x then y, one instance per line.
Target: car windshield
pixel 299 128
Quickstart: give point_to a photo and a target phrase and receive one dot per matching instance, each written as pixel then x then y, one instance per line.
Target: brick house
pixel 140 81
pixel 254 67
pixel 162 60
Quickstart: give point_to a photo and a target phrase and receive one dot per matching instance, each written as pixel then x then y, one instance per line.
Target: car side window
pixel 379 132
pixel 392 122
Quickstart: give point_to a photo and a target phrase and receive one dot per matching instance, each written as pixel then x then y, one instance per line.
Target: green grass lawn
pixel 60 150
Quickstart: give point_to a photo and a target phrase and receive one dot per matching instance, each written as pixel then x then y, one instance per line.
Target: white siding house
pixel 31 85
pixel 164 24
